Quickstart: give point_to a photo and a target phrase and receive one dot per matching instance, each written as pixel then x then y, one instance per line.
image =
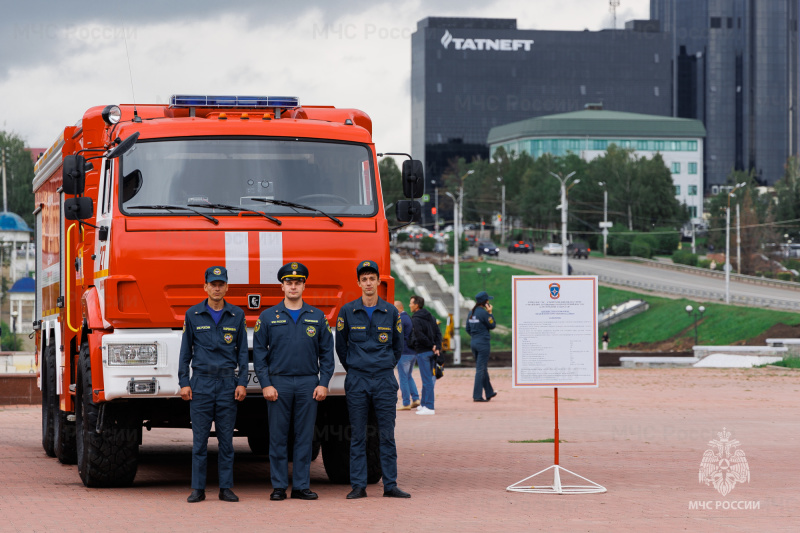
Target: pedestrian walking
pixel 409 394
pixel 426 341
pixel 479 323
pixel 605 340
pixel 214 345
pixel 293 359
pixel 369 343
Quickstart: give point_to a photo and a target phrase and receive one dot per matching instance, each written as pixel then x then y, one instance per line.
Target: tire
pixel 65 441
pixel 107 459
pixel 49 399
pixel 335 440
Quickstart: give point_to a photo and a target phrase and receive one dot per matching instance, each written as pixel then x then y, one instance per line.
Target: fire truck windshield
pixel 265 175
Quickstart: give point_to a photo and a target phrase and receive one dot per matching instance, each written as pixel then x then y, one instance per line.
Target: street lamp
pixel 456 285
pixel 695 314
pixel 563 181
pixel 604 185
pixel 14 315
pixel 483 274
pixel 728 243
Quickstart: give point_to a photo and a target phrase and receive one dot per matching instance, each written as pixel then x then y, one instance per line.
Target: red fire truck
pixel 133 203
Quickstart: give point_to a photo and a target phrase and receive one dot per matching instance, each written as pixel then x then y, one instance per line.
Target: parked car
pixel 488 248
pixel 520 247
pixel 578 250
pixel 552 248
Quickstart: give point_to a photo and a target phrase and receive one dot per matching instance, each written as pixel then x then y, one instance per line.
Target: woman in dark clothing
pixel 479 323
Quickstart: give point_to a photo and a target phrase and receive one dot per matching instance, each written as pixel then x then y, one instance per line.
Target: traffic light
pixel 433 210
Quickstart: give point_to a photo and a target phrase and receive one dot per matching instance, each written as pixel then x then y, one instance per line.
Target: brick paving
pixel 641 434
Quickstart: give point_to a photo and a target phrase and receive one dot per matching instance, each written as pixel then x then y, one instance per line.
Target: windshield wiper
pixel 238 210
pixel 284 203
pixel 171 207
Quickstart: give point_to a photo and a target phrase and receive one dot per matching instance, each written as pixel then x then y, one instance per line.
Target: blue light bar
pixel 184 100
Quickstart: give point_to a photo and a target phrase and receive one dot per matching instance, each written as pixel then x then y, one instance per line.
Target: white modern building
pixel 590 132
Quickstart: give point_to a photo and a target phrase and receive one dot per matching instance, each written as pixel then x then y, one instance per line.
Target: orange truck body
pixel 131 279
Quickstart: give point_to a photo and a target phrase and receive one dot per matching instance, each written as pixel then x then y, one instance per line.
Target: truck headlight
pixel 132 354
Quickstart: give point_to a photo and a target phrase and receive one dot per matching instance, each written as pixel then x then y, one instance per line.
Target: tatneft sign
pixel 502 45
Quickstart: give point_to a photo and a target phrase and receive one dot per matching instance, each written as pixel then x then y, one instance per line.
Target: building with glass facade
pixel 737 71
pixel 589 133
pixel 469 75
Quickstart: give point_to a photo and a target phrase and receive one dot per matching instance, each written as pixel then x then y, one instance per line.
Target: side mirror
pixel 78 208
pixel 123 147
pixel 413 179
pixel 408 211
pixel 73 174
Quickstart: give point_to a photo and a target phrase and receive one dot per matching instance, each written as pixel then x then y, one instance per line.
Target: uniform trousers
pixel 213 400
pixel 296 404
pixel 379 389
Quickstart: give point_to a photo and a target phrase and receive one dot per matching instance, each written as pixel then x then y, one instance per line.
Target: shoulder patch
pixel 340 324
pixel 399 325
pixel 258 325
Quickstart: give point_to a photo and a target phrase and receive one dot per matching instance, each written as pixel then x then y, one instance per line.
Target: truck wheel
pixel 65 443
pixel 108 458
pixel 335 440
pixel 49 399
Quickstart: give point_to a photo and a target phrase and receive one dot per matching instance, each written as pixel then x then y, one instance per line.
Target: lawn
pixel 666 319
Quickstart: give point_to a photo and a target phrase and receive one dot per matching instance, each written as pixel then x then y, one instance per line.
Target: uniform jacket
pixel 213 349
pixel 479 323
pixel 405 320
pixel 366 346
pixel 282 347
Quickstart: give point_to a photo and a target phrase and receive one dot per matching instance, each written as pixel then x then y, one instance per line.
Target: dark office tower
pixel 737 71
pixel 469 75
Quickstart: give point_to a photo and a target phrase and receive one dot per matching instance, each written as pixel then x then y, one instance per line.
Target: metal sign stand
pixel 556 487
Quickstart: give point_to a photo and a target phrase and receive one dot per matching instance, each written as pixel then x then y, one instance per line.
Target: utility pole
pixel 738 242
pixel 5 194
pixel 563 181
pixel 456 286
pixel 503 217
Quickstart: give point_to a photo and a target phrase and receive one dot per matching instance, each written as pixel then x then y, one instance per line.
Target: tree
pixel 19 176
pixel 787 197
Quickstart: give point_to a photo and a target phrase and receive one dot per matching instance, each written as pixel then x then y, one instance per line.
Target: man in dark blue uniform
pixel 293 359
pixel 479 323
pixel 214 344
pixel 369 343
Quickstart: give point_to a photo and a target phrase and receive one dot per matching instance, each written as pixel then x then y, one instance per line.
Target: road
pixel 643 277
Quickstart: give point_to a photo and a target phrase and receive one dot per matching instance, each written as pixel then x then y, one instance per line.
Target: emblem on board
pixel 555 291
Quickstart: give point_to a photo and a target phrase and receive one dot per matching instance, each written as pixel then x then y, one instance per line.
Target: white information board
pixel 555 331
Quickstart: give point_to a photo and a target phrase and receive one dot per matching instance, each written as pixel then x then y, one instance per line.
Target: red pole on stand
pixel 555 401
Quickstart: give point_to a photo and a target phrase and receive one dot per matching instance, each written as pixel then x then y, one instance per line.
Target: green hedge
pixel 641 248
pixel 684 257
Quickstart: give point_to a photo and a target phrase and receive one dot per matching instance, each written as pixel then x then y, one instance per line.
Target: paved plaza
pixel 642 434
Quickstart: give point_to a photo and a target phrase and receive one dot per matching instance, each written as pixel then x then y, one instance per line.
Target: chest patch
pixel 311 331
pixel 228 337
pixel 383 337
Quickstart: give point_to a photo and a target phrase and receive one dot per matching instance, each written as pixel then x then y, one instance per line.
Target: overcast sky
pixel 57 59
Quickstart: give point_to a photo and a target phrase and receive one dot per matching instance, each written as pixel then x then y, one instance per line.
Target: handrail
pixel 66 270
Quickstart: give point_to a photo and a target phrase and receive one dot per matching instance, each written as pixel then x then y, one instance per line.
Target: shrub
pixel 427 244
pixel 785 276
pixel 684 257
pixel 619 244
pixel 667 242
pixel 704 263
pixel 641 248
pixel 402 237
